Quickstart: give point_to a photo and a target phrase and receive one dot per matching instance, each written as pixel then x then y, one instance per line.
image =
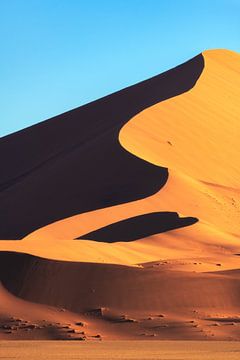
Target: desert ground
pixel 124 350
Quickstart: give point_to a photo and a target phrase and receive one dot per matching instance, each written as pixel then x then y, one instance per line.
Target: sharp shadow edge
pixel 73 163
pixel 139 227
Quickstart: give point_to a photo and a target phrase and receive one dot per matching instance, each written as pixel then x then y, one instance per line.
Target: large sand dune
pixel 122 217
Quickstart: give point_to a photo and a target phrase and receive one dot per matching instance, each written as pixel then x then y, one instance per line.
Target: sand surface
pixel 125 350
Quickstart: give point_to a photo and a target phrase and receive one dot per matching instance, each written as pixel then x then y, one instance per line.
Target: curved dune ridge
pixel 197 136
pixel 123 215
pixel 74 163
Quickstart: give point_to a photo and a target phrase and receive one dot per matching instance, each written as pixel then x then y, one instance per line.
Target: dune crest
pixel 196 135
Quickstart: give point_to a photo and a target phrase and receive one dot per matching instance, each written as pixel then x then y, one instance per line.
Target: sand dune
pixel 189 191
pixel 124 302
pixel 123 214
pixel 202 143
pixel 78 147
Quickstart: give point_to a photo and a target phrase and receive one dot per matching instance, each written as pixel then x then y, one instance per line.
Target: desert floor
pixel 141 350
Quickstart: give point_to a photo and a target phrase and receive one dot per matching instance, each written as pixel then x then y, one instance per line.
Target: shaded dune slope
pixel 117 287
pixel 81 150
pixel 87 301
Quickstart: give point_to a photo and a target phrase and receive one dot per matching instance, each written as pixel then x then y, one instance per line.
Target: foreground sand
pixel 79 301
pixel 127 350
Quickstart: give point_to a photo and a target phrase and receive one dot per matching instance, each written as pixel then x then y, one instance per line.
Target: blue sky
pixel 57 55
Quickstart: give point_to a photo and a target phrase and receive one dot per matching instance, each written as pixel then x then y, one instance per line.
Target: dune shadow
pixel 139 227
pixel 224 319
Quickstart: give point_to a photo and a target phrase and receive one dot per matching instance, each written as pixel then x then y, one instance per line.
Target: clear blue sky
pixel 59 54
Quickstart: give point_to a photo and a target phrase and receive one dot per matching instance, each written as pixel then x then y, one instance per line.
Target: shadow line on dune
pixel 71 284
pixel 139 227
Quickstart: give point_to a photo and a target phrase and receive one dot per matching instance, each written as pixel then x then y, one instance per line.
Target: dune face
pixel 202 145
pixel 120 219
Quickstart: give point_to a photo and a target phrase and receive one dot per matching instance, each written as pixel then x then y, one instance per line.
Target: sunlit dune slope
pixel 196 135
pixel 185 247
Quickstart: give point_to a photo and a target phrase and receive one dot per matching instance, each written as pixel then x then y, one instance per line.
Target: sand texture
pixel 125 350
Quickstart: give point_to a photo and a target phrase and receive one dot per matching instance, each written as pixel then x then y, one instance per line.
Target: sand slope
pixel 196 135
pixel 125 302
